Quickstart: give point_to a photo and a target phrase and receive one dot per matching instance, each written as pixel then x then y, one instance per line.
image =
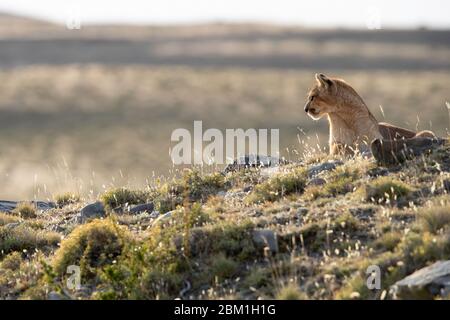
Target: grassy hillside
pixel 306 230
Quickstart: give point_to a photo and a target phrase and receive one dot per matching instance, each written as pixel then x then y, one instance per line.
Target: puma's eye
pixel 312 98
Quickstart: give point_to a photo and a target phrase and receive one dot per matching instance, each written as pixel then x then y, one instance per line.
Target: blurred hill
pixel 87 109
pixel 25 41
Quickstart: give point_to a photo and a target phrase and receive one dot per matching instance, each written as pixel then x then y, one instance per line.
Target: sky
pixel 312 13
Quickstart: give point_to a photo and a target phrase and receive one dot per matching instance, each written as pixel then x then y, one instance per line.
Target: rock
pixel 266 237
pixel 154 214
pixel 166 216
pixel 378 172
pixel 282 218
pixel 302 211
pixel 91 211
pixel 425 283
pixel 43 205
pixel 254 161
pixel 235 195
pixel 326 166
pixel 317 182
pixel 255 213
pixel 247 188
pixel 146 207
pixel 8 206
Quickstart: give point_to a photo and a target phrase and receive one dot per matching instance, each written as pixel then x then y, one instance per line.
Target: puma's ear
pixel 323 80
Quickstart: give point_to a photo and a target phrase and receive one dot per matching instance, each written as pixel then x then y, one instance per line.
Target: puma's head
pixel 322 98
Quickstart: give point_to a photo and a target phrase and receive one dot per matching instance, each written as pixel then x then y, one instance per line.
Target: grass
pixel 90 246
pixel 207 244
pixel 290 292
pixel 434 218
pixel 66 199
pixel 68 111
pixel 23 238
pixel 385 189
pixel 12 261
pixel 118 197
pixel 193 186
pixel 339 182
pixel 6 218
pixel 388 241
pixel 279 186
pixel 25 210
pixel 223 267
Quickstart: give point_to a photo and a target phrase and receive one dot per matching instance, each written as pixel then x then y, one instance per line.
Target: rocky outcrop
pixel 91 211
pixel 254 161
pixel 266 238
pixel 313 171
pixel 425 283
pixel 8 206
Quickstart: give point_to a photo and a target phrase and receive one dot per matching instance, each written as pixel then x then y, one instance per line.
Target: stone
pixel 146 207
pixel 282 218
pixel 255 213
pixel 91 211
pixel 302 211
pixel 378 172
pixel 164 217
pixel 235 195
pixel 8 206
pixel 425 283
pixel 326 166
pixel 254 161
pixel 266 238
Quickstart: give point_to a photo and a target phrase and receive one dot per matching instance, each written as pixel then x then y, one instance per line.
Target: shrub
pixel 66 198
pixel 192 187
pixel 341 180
pixel 229 238
pixel 388 241
pixel 25 210
pixel 290 292
pixel 434 218
pixel 120 196
pixel 201 187
pixel 24 238
pixel 258 277
pixel 386 189
pixel 223 267
pixel 6 218
pixel 12 261
pixel 346 222
pixel 91 246
pixel 279 186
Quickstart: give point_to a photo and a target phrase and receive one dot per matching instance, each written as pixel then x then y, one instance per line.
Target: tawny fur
pixel 352 126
